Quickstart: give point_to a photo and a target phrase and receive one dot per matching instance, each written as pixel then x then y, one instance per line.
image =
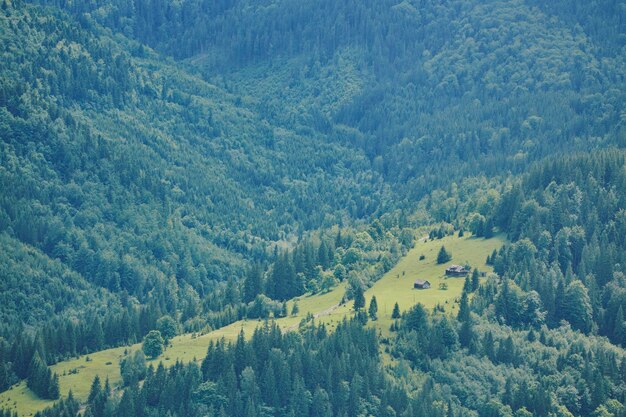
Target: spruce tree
pixel 95 391
pixel 464 310
pixel 475 280
pixel 466 333
pixel 53 388
pixel 443 256
pixel 359 299
pixel 252 285
pixel 396 311
pixel 373 309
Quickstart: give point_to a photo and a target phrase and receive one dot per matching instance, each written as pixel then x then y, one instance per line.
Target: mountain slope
pixel 133 172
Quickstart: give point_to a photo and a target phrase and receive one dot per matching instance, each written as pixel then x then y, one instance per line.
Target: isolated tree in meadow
pixel 443 256
pixel 153 344
pixel 295 309
pixel 396 311
pixel 373 309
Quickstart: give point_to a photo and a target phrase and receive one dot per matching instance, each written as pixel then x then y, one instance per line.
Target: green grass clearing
pixel 395 286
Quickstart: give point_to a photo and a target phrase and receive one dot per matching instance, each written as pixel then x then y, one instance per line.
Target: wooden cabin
pixel 456 271
pixel 421 284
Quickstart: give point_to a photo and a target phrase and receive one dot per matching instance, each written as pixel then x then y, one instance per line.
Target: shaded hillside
pixel 419 85
pixel 145 179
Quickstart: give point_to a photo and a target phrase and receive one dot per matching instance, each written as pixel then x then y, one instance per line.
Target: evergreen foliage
pixel 177 166
pixel 443 256
pixel 396 311
pixel 373 308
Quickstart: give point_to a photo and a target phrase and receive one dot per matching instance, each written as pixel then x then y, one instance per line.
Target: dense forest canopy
pixel 177 166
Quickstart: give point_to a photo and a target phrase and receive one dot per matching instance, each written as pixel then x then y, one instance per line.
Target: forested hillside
pixel 133 173
pixel 177 166
pixel 521 80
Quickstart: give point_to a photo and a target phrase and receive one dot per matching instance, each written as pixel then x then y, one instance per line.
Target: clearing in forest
pixel 395 286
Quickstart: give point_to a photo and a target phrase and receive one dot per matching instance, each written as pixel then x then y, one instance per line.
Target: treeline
pixel 27 353
pixel 94 198
pixel 317 263
pixel 41 380
pixel 320 374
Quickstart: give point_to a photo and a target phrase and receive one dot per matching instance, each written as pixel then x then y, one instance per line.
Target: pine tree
pixel 359 299
pixel 466 333
pixel 488 346
pixel 126 408
pixel 322 255
pixel 95 391
pixel 373 309
pixel 443 256
pixel 253 284
pixel 396 311
pixel 475 279
pixel 36 374
pixel 97 399
pixel 295 309
pixel 53 388
pixel 464 310
pixel 506 351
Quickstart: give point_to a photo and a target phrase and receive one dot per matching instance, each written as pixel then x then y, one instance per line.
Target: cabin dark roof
pixel 419 283
pixel 457 269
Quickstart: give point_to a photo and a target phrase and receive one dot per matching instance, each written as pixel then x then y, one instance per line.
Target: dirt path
pixel 326 312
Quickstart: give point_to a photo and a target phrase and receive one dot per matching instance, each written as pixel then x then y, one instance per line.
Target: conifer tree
pixel 475 280
pixel 466 333
pixel 464 310
pixel 373 308
pixel 53 387
pixel 443 256
pixel 359 299
pixel 253 284
pixel 396 311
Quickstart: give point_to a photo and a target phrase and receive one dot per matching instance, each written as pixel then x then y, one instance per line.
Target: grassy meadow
pixel 395 286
